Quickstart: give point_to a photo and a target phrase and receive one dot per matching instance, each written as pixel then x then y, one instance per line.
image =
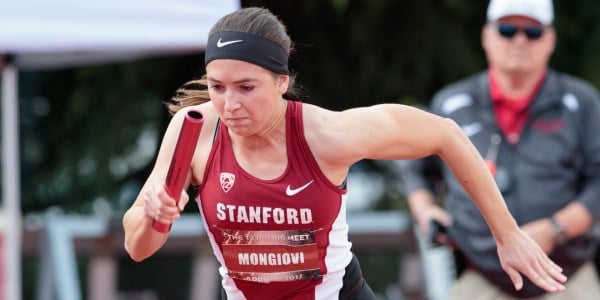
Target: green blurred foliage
pixel 90 133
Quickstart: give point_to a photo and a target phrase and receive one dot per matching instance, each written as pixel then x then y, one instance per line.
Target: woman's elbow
pixel 136 258
pixel 132 247
pixel 135 255
pixel 453 130
pixel 450 134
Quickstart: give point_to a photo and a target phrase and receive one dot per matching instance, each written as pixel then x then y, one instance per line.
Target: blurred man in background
pixel 538 130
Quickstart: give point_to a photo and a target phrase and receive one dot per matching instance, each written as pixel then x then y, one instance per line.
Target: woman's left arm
pixel 393 131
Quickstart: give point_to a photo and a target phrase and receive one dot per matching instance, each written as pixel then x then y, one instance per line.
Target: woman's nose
pixel 231 101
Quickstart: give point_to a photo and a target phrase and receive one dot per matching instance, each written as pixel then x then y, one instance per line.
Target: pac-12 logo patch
pixel 227 180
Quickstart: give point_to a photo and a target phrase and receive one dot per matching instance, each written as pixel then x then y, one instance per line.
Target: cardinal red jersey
pixel 285 238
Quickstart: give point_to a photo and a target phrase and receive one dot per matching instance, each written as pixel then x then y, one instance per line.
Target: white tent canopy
pixel 65 32
pixel 41 34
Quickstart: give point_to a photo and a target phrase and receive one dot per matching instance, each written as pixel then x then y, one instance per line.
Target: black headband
pixel 247 47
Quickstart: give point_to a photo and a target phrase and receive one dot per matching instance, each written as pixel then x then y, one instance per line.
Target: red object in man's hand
pixel 182 159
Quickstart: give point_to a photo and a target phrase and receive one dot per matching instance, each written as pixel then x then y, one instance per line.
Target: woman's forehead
pixel 221 69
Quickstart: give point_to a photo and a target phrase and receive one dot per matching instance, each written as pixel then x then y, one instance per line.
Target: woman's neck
pixel 270 134
pixel 264 154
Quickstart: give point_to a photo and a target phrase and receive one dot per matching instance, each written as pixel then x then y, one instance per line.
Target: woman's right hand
pixel 160 207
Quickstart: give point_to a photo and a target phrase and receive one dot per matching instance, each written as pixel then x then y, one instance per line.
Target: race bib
pixel 267 256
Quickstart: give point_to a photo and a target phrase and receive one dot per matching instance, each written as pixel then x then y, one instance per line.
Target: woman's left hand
pixel 541 232
pixel 520 254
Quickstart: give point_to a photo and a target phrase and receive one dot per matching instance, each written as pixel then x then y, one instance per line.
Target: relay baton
pixel 181 160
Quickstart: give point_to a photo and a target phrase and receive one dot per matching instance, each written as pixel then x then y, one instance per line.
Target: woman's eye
pixel 247 88
pixel 216 87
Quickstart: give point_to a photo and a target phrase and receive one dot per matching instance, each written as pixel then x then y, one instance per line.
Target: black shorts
pixel 354 287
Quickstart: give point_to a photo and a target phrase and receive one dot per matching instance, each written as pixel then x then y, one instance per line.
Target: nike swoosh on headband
pixel 223 44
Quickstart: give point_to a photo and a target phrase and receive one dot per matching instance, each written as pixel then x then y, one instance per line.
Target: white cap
pixel 540 10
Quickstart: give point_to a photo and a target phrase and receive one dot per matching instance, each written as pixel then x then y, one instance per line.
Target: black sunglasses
pixel 509 31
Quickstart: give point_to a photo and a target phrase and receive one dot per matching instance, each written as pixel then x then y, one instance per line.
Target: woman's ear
pixel 283 82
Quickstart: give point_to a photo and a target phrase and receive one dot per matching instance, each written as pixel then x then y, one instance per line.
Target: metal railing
pixel 67 238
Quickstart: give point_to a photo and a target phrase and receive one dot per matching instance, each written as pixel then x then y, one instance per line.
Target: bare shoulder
pixel 339 139
pixel 354 122
pixel 320 124
pixel 330 133
pixel 324 136
pixel 382 131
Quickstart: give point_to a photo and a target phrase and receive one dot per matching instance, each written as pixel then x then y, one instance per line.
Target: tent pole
pixel 11 208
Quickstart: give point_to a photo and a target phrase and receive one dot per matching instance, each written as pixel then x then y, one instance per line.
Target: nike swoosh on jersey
pixel 291 192
pixel 223 44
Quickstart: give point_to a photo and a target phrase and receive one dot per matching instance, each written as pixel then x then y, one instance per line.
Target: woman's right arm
pixel 141 240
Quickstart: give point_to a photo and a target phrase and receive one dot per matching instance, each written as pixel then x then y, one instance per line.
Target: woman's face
pixel 245 96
